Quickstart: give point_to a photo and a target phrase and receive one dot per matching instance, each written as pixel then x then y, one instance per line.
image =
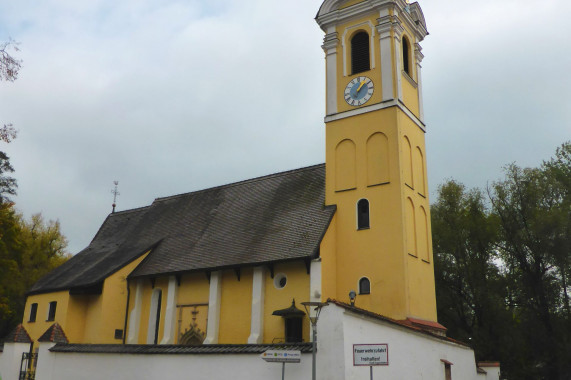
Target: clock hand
pixel 362 83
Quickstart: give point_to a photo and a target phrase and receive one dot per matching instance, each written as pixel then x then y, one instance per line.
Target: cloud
pixel 174 96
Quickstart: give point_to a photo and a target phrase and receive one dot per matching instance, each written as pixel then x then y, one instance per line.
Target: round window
pixel 280 281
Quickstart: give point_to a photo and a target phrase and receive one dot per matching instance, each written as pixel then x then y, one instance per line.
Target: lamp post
pixel 316 306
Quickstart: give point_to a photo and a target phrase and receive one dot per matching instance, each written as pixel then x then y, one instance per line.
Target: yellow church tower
pixel 375 159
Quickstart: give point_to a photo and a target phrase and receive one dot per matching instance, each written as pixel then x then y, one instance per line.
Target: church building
pixel 228 267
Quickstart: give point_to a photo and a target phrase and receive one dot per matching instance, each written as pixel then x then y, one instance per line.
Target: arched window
pixel 154 317
pixel 364 286
pixel 360 56
pixel 363 214
pixel 406 56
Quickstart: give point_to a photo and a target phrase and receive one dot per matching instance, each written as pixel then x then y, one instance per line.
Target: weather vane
pixel 115 192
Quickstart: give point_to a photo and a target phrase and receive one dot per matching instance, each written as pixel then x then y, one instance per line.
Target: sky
pixel 174 96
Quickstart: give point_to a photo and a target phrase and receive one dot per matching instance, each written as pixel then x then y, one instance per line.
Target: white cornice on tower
pixel 412 15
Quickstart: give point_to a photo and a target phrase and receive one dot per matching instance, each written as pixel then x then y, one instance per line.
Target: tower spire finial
pixel 115 192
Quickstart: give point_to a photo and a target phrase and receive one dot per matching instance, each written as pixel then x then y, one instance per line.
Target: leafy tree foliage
pixel 29 249
pixel 8 184
pixel 502 263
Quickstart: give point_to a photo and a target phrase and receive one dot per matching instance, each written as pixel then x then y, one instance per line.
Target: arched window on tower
pixel 363 214
pixel 406 56
pixel 360 56
pixel 364 286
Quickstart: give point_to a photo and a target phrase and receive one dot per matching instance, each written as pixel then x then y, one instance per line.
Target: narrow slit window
pixel 363 214
pixel 158 317
pixel 364 286
pixel 360 55
pixel 406 56
pixel 33 312
pixel 52 311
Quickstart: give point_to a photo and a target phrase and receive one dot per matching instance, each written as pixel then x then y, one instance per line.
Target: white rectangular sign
pixel 281 356
pixel 370 354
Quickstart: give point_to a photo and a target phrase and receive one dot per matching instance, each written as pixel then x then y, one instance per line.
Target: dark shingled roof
pixel 54 334
pixel 18 335
pixel 104 255
pixel 163 349
pixel 280 217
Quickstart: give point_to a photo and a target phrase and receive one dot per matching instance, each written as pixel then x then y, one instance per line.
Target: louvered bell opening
pixel 360 60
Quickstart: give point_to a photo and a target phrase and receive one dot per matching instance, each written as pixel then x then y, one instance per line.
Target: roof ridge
pixel 255 179
pixel 129 210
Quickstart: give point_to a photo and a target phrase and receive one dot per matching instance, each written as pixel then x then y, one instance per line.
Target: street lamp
pixel 316 306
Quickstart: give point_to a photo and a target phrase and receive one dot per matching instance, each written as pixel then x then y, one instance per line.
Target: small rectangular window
pixel 52 311
pixel 118 334
pixel 33 312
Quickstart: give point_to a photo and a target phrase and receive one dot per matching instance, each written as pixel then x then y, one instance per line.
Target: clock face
pixel 359 91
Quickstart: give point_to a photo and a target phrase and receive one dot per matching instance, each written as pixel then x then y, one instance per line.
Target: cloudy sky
pixel 171 96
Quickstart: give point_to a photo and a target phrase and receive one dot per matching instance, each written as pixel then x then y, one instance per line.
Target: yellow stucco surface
pixel 235 306
pixel 37 328
pixel 84 318
pixel 399 288
pixel 297 288
pixel 192 298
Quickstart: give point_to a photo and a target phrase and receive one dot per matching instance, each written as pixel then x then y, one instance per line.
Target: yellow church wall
pixel 328 255
pixel 235 307
pixel 192 296
pixel 93 315
pixel 147 291
pixel 346 31
pixel 421 297
pixel 96 317
pixel 37 328
pixel 297 287
pixel 410 94
pixel 376 253
pixel 113 303
pixel 76 312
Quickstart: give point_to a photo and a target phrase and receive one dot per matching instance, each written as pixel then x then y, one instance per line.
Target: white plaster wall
pixel 411 355
pixel 44 367
pixel 77 366
pixel 10 360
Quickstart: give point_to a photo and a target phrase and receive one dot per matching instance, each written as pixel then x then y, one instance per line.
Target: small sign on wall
pixel 370 354
pixel 281 356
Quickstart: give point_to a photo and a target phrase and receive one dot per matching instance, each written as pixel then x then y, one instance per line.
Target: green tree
pixel 502 271
pixel 29 249
pixel 9 249
pixel 8 184
pixel 534 244
pixel 470 288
